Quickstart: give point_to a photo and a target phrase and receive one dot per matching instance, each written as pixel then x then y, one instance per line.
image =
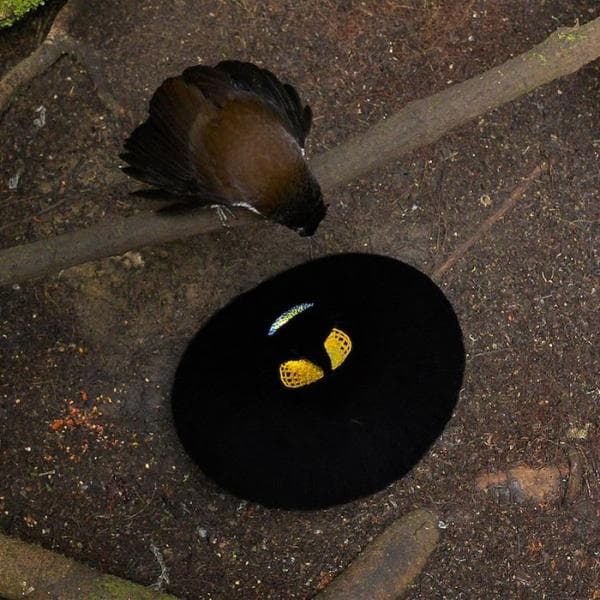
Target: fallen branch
pixel 111 237
pixel 390 563
pixel 424 121
pixel 28 570
pixel 58 42
pixel 418 123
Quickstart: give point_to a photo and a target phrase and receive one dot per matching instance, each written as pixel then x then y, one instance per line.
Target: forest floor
pixel 89 462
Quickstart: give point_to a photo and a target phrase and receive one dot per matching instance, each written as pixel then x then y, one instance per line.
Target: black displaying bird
pixel 321 385
pixel 230 135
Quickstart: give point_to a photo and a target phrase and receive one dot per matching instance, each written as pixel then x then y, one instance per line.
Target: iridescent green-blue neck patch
pixel 288 315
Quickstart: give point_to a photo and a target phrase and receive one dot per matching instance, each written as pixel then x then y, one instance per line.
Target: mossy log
pixel 30 571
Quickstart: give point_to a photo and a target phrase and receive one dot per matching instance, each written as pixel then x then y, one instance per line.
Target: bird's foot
pixel 224 213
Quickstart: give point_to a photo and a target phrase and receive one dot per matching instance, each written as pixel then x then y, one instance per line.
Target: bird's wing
pixel 160 151
pixel 204 123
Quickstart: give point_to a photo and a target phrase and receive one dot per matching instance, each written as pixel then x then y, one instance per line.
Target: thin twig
pixel 507 205
pixel 51 207
pixel 163 577
pixel 89 58
pixel 65 17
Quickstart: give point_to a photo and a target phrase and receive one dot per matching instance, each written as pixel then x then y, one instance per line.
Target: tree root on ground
pixel 521 483
pixel 57 44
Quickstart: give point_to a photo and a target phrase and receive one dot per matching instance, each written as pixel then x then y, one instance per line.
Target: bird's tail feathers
pixel 159 153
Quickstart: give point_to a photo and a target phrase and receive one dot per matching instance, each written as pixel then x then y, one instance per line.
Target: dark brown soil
pixel 90 465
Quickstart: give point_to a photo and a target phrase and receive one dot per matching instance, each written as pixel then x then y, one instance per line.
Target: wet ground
pixel 90 465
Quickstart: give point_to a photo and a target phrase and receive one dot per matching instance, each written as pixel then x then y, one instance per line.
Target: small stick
pixel 507 205
pixel 575 480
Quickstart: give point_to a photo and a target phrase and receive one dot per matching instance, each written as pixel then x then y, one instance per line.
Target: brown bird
pixel 230 135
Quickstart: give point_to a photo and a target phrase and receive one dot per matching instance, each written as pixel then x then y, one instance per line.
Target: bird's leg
pixel 224 213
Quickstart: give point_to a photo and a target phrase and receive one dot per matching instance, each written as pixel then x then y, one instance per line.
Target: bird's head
pixel 305 210
pixel 314 214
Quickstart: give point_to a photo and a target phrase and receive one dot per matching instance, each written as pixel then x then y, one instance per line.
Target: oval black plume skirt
pixel 351 430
